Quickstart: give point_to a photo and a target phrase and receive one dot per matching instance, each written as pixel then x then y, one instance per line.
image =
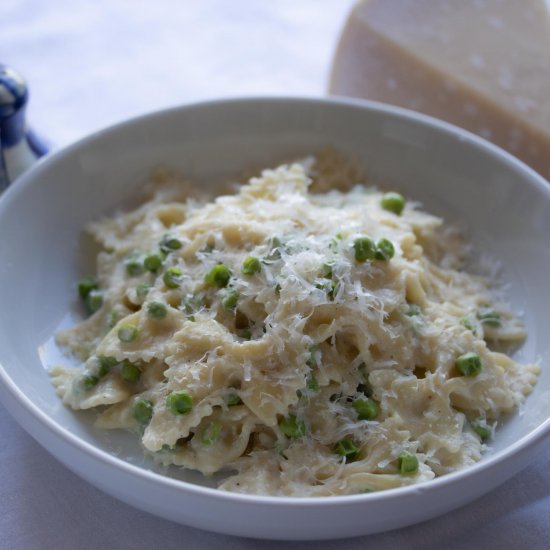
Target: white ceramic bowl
pixel 504 205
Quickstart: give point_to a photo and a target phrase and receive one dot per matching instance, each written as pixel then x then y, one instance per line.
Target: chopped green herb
pixel 172 277
pixel 179 402
pixel 142 411
pixel 469 364
pixel 347 448
pixel 292 427
pixel 127 333
pixel 365 249
pixel 407 463
pixel 251 266
pixel 393 202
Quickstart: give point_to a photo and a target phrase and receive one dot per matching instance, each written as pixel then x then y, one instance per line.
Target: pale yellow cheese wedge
pixel 481 64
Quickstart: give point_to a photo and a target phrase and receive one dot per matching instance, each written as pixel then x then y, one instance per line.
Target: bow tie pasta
pixel 303 343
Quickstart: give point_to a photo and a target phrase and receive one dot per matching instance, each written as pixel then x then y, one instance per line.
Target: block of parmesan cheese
pixel 481 64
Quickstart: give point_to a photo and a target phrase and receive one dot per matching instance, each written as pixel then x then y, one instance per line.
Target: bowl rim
pixel 534 437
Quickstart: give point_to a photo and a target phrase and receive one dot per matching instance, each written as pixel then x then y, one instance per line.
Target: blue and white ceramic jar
pixel 19 146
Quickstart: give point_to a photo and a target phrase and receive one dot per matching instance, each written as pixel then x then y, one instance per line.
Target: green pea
pixel 393 202
pixel 229 298
pixel 105 365
pixel 142 290
pixel 88 381
pixel 172 277
pixel 142 411
pixel 311 383
pixel 347 448
pixel 407 463
pixel 469 364
pixel 134 264
pixel 93 301
pixel 211 433
pixel 367 409
pixel 127 333
pixel 292 427
pixel 129 372
pixel 365 249
pixel 384 250
pixel 233 399
pixel 153 262
pixel 179 402
pixel 156 310
pixel 489 317
pixel 112 318
pixel 169 243
pixel 333 244
pixel 251 266
pixel 218 276
pixel 86 285
pixel 275 246
pixel 481 428
pixel 245 333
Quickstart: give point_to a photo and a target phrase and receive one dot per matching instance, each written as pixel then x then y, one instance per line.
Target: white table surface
pixel 91 63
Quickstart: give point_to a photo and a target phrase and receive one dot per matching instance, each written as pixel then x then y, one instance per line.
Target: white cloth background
pixel 91 63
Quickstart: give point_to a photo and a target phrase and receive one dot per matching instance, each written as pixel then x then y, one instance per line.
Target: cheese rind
pixel 482 65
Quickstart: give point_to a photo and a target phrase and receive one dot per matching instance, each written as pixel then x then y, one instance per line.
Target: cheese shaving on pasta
pixel 275 336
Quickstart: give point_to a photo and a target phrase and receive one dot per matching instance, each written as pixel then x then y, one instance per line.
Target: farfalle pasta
pixel 302 342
